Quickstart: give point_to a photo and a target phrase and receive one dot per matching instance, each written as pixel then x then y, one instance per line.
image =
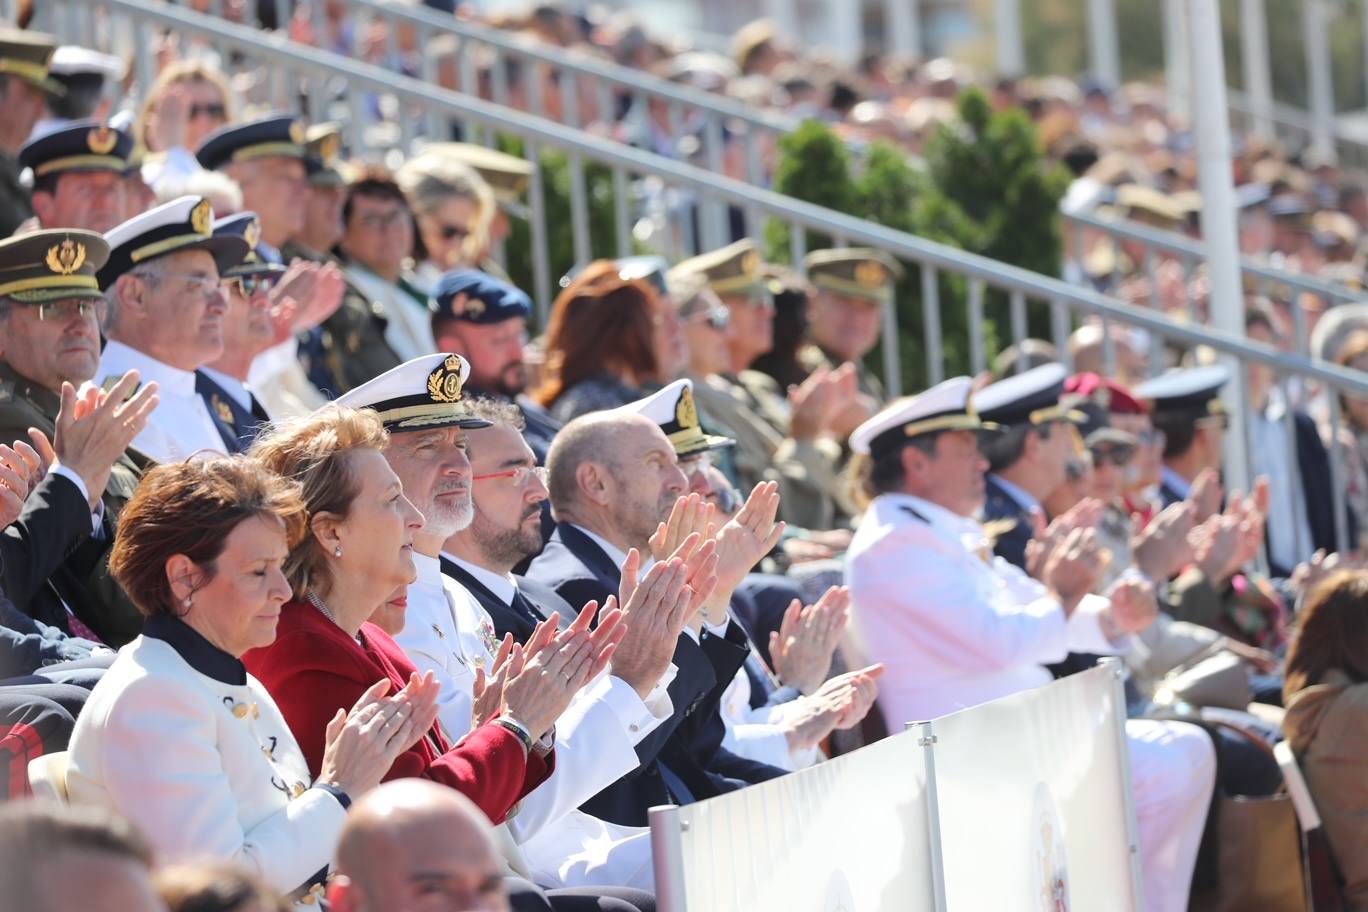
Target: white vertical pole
pixel 785 15
pixel 667 855
pixel 926 740
pixel 1212 125
pixel 1258 83
pixel 1103 43
pixel 902 19
pixel 1320 85
pixel 1011 50
pixel 1177 69
pixel 847 28
pixel 1113 665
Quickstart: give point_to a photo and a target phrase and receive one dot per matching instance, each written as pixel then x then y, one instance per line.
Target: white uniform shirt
pixel 954 626
pixel 180 425
pixel 206 768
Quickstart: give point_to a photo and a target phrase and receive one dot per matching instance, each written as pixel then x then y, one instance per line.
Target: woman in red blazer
pixel 326 653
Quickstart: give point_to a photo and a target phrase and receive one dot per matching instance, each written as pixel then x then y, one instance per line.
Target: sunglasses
pixel 249 285
pixel 216 111
pixel 1117 456
pixel 452 232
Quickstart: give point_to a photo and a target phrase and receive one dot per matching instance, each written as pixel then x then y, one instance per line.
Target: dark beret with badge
pixel 737 269
pixel 419 395
pixel 53 265
pixel 280 135
pixel 28 56
pixel 182 224
pixel 478 297
pixel 854 272
pixel 84 146
pixel 674 409
pixel 247 226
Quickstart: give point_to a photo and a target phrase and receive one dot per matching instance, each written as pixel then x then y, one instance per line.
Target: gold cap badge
pixel 102 140
pixel 751 263
pixel 463 305
pixel 252 233
pixel 686 412
pixel 66 257
pixel 870 274
pixel 329 146
pixel 444 383
pixel 297 134
pixel 202 218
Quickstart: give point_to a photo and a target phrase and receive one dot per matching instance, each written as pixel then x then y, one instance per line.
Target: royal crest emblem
pixel 102 140
pixel 297 134
pixel 871 274
pixel 225 414
pixel 686 412
pixel 66 257
pixel 202 218
pixel 444 383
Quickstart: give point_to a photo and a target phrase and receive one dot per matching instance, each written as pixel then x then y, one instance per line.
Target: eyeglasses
pixel 699 463
pixel 67 309
pixel 199 282
pixel 249 285
pixel 519 474
pixel 216 111
pixel 761 299
pixel 718 318
pixel 1152 437
pixel 1117 456
pixel 381 221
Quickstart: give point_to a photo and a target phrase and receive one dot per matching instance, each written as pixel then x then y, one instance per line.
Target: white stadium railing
pixel 1021 803
pixel 296 77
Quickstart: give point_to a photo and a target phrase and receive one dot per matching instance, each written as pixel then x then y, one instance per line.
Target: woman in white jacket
pixel 177 736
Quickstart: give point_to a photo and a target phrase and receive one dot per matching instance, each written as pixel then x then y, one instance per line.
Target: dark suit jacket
pixel 689 743
pixel 236 425
pixel 507 618
pixel 313 669
pixel 999 505
pixel 55 523
pixel 1313 462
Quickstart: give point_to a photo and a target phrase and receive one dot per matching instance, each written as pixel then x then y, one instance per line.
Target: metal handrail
pixel 312 66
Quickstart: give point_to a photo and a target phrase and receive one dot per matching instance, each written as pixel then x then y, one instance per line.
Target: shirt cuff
pixel 638 717
pixel 342 797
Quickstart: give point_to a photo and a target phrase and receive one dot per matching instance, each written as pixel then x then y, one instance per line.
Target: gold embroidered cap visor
pixel 420 413
pixel 35 74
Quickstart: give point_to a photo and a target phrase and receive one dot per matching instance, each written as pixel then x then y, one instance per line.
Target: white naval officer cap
pixel 1033 397
pixel 418 395
pixel 947 406
pixel 673 408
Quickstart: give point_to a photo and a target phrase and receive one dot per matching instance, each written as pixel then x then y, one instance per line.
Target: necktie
pixel 675 785
pixel 524 607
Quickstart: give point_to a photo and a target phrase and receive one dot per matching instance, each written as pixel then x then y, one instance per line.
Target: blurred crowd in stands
pixel 294 504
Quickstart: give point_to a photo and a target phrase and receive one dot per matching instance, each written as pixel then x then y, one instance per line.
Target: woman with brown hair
pixel 357 551
pixel 1327 718
pixel 177 736
pixel 610 341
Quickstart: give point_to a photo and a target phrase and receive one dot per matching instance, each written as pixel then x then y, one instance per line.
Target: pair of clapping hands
pixel 93 429
pixel 827 402
pixel 1068 558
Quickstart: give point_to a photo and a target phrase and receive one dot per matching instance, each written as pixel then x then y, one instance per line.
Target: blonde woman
pixel 453 207
pixel 189 100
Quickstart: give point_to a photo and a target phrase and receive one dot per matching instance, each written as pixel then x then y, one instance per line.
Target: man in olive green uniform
pixel 24 87
pixel 772 440
pixel 854 290
pixel 49 333
pixel 349 348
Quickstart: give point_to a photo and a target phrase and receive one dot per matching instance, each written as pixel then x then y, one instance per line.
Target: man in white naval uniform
pixel 448 633
pixel 956 627
pixel 165 318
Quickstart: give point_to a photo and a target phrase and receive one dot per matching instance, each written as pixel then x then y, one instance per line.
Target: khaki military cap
pixel 507 175
pixel 323 145
pixel 856 272
pixel 51 265
pixel 735 269
pixel 1140 201
pixel 28 55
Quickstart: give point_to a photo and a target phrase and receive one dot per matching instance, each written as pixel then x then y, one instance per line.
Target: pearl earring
pixel 188 600
pixel 337 551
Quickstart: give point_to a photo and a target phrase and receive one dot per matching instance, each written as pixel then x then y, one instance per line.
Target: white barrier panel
pixel 1032 800
pixel 848 835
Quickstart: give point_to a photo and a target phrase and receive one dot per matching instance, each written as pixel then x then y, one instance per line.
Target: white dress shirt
pixel 1176 483
pixel 180 425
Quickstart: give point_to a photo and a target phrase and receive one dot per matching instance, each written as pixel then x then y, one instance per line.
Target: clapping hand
pixel 362 744
pixel 20 471
pixel 840 703
pixel 1163 548
pixel 801 649
pixel 1206 495
pixel 691 514
pixel 1084 515
pixel 1133 605
pixel 1074 568
pixel 656 610
pixel 746 538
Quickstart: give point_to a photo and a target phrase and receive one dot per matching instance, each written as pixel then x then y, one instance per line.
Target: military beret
pixel 51 265
pixel 186 223
pixel 418 395
pixel 478 297
pixel 1112 396
pixel 282 134
pixel 854 272
pixel 86 145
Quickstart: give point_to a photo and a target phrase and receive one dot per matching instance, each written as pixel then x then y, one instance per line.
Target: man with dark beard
pixel 485 320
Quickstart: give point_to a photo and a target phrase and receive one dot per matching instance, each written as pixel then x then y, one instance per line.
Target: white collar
pixel 118 358
pixel 429 571
pixel 1180 485
pixel 503 585
pixel 232 386
pixel 618 556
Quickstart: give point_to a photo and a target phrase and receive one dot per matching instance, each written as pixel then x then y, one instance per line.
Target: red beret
pixel 1112 396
